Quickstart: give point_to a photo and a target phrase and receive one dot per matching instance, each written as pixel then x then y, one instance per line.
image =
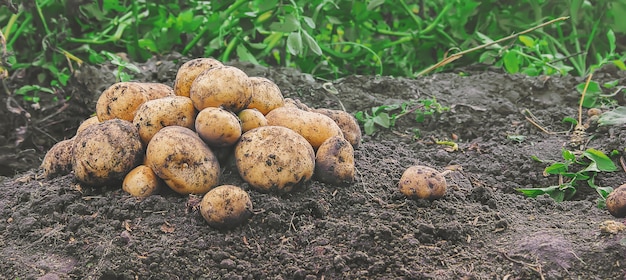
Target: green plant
pixel 386 115
pixel 588 166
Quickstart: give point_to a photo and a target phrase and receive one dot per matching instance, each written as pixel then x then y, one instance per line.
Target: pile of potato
pixel 147 135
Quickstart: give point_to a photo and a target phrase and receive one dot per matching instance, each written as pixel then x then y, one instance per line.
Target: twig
pixel 458 55
pixel 582 98
pixel 532 118
pixel 535 267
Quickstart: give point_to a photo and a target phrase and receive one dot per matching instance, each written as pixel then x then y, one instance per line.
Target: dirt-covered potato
pixel 274 158
pixel 157 90
pixel 141 182
pixel 266 95
pixel 223 86
pixel 251 118
pixel 226 206
pixel 121 101
pixel 296 103
pixel 423 182
pixel 106 152
pixel 616 202
pixel 188 72
pixel 218 127
pixel 86 123
pixel 315 127
pixel 348 124
pixel 334 161
pixel 58 160
pixel 179 157
pixel 158 113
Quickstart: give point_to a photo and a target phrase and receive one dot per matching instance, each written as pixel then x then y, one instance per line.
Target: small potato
pixel 616 202
pixel 226 206
pixel 251 118
pixel 334 161
pixel 58 160
pixel 266 95
pixel 121 101
pixel 106 152
pixel 218 127
pixel 315 127
pixel 86 123
pixel 274 158
pixel 179 157
pixel 423 182
pixel 141 182
pixel 348 124
pixel 158 113
pixel 224 86
pixel 188 72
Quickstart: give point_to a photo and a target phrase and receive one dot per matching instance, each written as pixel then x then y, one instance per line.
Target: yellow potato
pixel 315 127
pixel 121 101
pixel 106 152
pixel 157 90
pixel 296 103
pixel 218 127
pixel 226 206
pixel 179 157
pixel 334 161
pixel 266 95
pixel 141 182
pixel 188 72
pixel 616 202
pixel 251 118
pixel 274 158
pixel 423 182
pixel 158 113
pixel 224 86
pixel 348 124
pixel 86 123
pixel 58 160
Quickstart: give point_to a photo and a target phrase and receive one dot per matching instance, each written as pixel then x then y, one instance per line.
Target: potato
pixel 274 158
pixel 616 202
pixel 296 103
pixel 141 182
pixel 224 86
pixel 423 182
pixel 58 160
pixel 266 95
pixel 178 156
pixel 218 127
pixel 188 72
pixel 334 161
pixel 346 122
pixel 121 101
pixel 251 118
pixel 157 90
pixel 86 123
pixel 226 206
pixel 315 127
pixel 106 152
pixel 158 113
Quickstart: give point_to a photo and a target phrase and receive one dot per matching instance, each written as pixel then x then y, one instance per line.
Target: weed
pixel 386 115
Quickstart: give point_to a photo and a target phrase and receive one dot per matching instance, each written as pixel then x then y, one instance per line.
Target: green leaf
pixel 610 35
pixel 527 41
pixel 568 155
pixel 374 3
pixel 571 120
pixel 383 120
pixel 309 21
pixel 535 192
pixel 601 160
pixel 592 94
pixel 536 158
pixel 615 117
pixel 311 43
pixel 511 63
pixel 245 55
pixel 611 84
pixel 294 43
pixel 620 64
pixel 556 168
pixel 369 127
pixel 516 138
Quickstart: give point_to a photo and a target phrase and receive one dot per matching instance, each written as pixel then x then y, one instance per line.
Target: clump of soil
pixel 481 229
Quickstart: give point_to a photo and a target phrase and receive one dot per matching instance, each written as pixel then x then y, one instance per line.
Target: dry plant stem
pixel 582 98
pixel 531 118
pixel 534 267
pixel 456 56
pixel 622 163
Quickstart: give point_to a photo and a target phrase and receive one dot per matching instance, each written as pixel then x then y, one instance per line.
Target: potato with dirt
pixel 423 182
pixel 616 202
pixel 155 114
pixel 58 160
pixel 266 95
pixel 188 72
pixel 86 123
pixel 121 100
pixel 223 86
pixel 218 127
pixel 274 159
pixel 141 182
pixel 314 127
pixel 226 207
pixel 250 119
pixel 106 152
pixel 334 161
pixel 346 122
pixel 178 156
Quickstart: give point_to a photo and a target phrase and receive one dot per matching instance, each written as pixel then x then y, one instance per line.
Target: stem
pixel 229 48
pixel 582 98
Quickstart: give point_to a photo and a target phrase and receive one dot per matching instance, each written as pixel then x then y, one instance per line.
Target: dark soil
pixel 481 229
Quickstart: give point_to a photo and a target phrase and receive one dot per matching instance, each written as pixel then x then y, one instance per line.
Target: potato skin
pixel 179 157
pixel 157 90
pixel 334 161
pixel 616 202
pixel 58 160
pixel 274 159
pixel 314 127
pixel 223 86
pixel 346 122
pixel 86 123
pixel 188 72
pixel 141 182
pixel 218 127
pixel 226 207
pixel 423 182
pixel 266 95
pixel 106 152
pixel 121 101
pixel 250 119
pixel 155 114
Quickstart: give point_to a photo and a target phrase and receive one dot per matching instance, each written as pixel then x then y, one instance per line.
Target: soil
pixel 481 229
